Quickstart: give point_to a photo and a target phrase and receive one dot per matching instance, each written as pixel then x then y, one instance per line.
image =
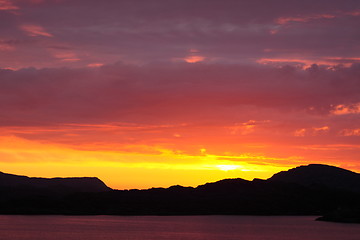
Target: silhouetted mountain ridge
pixel 305 190
pixel 71 184
pixel 320 175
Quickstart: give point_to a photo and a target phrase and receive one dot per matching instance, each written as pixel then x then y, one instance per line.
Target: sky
pixel 154 93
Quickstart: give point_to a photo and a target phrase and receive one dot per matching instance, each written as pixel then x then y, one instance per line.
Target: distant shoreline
pixel 312 190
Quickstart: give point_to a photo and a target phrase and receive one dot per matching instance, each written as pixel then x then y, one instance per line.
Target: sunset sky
pixel 154 93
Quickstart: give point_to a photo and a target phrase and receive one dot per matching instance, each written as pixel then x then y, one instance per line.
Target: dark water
pixel 173 227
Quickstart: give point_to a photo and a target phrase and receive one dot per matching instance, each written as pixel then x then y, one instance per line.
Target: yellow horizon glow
pixel 126 170
pixel 227 167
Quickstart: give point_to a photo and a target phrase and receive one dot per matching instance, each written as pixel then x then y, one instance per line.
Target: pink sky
pixel 167 84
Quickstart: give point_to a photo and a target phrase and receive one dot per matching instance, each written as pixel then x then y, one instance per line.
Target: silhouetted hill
pixel 320 175
pixel 228 196
pixel 67 185
pixel 306 190
pixel 347 214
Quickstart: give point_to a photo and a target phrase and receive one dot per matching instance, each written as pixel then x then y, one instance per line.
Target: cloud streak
pixel 231 32
pixel 125 91
pixel 7 5
pixel 35 30
pixel 184 107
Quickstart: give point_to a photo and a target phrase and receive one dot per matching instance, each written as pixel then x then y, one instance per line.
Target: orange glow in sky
pixel 188 161
pixel 194 59
pixel 125 170
pixel 152 94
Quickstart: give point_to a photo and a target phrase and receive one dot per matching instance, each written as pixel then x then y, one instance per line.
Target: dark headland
pixel 315 189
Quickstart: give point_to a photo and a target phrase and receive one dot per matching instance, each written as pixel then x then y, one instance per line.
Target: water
pixel 172 227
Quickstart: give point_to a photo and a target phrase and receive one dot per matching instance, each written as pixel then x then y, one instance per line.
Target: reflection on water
pixel 172 227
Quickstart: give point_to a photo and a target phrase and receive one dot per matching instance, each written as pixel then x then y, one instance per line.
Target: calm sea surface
pixel 173 227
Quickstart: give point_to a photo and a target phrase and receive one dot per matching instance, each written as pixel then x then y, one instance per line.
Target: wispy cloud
pixel 343 109
pixel 286 20
pixel 35 30
pixel 7 5
pixel 350 132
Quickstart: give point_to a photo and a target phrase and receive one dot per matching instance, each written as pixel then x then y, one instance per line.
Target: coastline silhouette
pixel 314 189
